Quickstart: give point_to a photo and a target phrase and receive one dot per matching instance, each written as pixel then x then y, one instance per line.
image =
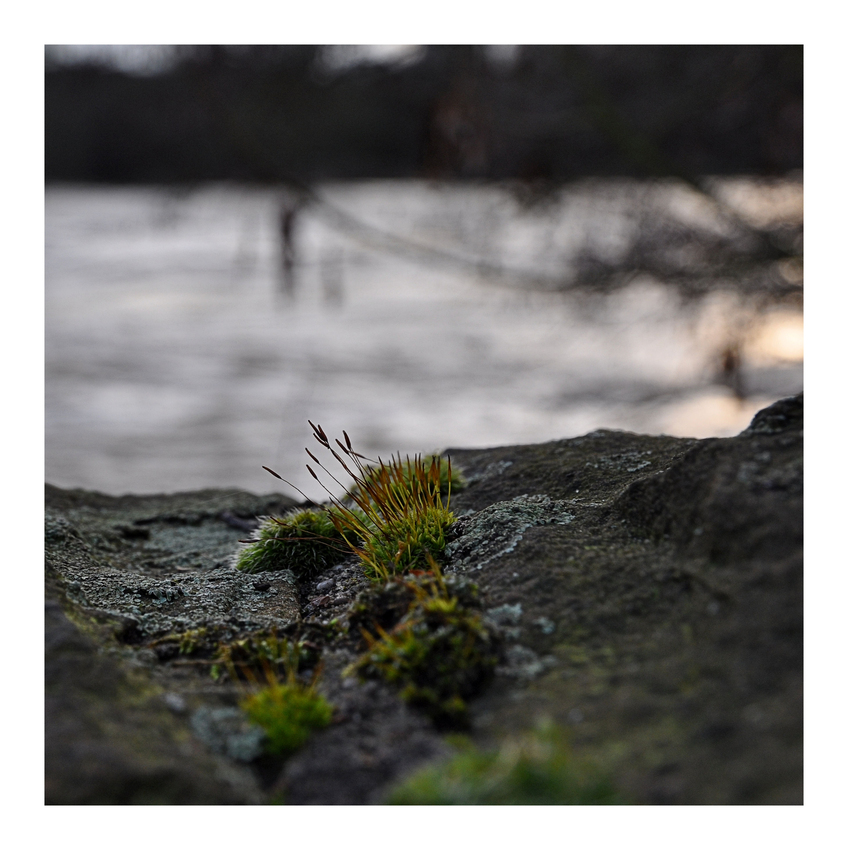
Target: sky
pixel 146 59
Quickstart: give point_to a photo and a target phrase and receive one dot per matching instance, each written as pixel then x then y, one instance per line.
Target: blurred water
pixel 174 360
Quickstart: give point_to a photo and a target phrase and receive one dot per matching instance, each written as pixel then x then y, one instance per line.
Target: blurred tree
pixel 536 115
pixel 264 112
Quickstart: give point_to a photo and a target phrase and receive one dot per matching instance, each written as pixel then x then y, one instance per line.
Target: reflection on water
pixel 188 343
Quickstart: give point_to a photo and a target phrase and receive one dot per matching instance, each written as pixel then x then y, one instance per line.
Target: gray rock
pixel 649 590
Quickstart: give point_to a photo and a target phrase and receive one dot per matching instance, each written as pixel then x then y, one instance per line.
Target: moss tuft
pixel 405 543
pixel 399 519
pixel 430 643
pixel 262 651
pixel 305 542
pixel 451 479
pixel 538 768
pixel 439 654
pixel 289 713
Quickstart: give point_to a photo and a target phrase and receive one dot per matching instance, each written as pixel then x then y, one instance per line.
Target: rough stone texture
pixel 649 591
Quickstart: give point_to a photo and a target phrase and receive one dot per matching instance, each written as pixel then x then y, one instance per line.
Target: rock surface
pixel 648 589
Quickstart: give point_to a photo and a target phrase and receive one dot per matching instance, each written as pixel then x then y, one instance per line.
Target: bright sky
pixel 132 58
pixel 153 58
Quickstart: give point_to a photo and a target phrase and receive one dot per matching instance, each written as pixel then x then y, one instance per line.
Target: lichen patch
pixel 496 530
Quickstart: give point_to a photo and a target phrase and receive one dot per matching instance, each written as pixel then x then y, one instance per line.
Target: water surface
pixel 178 356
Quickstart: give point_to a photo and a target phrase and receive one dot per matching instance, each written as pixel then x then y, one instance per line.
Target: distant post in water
pixel 289 209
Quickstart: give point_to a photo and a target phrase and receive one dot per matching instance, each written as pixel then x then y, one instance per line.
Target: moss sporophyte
pixel 394 517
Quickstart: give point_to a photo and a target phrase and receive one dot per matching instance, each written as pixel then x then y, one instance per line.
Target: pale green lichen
pixel 228 732
pixel 496 530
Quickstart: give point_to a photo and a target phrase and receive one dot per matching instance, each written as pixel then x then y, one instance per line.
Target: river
pixel 179 356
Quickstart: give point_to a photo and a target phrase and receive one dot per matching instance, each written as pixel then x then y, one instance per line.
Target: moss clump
pixel 262 651
pixel 305 542
pixel 381 607
pixel 439 654
pixel 195 643
pixel 393 517
pixel 404 543
pixel 399 521
pixel 450 479
pixel 538 768
pixel 289 713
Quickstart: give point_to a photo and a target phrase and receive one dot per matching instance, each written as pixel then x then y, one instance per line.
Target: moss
pixel 538 768
pixel 451 479
pixel 405 543
pixel 265 650
pixel 289 713
pixel 192 641
pixel 305 542
pixel 439 654
pixel 439 651
pixel 393 517
pixel 381 606
pixel 202 642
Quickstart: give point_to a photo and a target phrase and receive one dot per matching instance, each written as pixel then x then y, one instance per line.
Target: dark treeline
pixel 270 113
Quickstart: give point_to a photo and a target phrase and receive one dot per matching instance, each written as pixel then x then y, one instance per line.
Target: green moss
pixel 450 479
pixel 536 769
pixel 394 519
pixel 263 651
pixel 197 643
pixel 381 606
pixel 192 641
pixel 305 542
pixel 393 516
pixel 438 655
pixel 405 543
pixel 289 713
